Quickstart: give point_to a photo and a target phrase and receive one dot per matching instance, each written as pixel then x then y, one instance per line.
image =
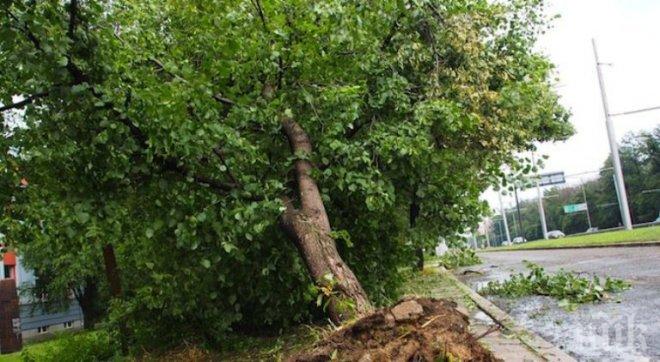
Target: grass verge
pixel 429 283
pixel 647 234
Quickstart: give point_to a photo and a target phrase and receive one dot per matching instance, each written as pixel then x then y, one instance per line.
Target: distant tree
pixel 640 159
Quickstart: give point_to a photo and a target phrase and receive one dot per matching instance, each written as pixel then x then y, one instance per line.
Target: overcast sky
pixel 628 35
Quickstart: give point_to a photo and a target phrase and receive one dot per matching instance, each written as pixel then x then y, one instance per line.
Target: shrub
pixel 81 347
pixel 455 258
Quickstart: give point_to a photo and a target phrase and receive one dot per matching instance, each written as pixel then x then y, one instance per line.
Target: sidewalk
pixel 495 329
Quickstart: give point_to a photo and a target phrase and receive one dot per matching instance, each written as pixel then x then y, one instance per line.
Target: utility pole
pixel 544 226
pixel 487 237
pixel 521 233
pixel 614 149
pixel 506 223
pixel 584 197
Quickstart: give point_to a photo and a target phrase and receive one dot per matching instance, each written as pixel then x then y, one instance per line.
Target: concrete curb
pixel 538 345
pixel 622 245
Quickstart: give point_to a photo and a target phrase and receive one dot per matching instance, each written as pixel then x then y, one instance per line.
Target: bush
pixel 81 347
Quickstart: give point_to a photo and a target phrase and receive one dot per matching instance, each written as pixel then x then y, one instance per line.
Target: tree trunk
pixel 112 274
pixel 88 303
pixel 111 271
pixel 309 228
pixel 414 213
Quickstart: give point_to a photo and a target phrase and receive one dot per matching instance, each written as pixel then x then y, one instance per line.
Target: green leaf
pixel 82 217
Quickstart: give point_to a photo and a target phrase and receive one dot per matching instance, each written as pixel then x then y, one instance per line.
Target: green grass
pixel 606 238
pixel 37 348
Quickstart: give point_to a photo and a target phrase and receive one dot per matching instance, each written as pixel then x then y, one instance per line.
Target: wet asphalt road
pixel 628 330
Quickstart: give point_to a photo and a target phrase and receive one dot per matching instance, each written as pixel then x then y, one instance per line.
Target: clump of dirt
pixel 414 329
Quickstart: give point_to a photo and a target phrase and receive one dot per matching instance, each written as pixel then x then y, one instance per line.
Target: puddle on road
pixel 593 332
pixel 585 333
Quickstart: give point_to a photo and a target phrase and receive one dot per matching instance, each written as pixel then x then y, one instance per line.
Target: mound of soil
pixel 414 329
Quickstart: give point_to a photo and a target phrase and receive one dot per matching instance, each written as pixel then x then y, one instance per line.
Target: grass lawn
pixel 606 238
pixel 37 347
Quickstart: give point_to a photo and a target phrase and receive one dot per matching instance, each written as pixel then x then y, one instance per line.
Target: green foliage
pixel 458 257
pixel 156 127
pixel 80 347
pixel 569 288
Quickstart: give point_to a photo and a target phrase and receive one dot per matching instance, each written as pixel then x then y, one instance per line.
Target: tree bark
pixel 88 300
pixel 114 281
pixel 309 229
pixel 111 271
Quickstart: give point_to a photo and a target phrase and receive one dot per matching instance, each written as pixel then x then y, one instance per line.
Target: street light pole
pixel 584 197
pixel 521 232
pixel 618 173
pixel 506 223
pixel 544 226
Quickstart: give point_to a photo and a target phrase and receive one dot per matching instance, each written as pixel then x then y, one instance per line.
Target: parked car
pixel 519 239
pixel 506 243
pixel 555 234
pixel 592 229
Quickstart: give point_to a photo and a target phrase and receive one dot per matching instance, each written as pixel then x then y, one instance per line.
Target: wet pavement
pixel 627 328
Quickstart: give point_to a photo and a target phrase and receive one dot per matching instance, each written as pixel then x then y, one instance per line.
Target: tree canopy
pixel 229 151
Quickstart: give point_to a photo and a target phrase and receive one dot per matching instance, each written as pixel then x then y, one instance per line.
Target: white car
pixel 555 234
pixel 592 230
pixel 519 239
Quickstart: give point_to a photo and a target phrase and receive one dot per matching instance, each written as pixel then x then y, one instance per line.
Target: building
pixel 35 322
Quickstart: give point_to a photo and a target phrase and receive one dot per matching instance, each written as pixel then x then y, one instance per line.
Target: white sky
pixel 628 35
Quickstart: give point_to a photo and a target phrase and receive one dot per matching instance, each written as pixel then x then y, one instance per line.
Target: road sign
pixel 552 178
pixel 569 209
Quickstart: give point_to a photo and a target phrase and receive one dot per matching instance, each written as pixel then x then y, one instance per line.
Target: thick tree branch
pixel 73 10
pixel 72 68
pixel 26 31
pixel 257 5
pixel 24 102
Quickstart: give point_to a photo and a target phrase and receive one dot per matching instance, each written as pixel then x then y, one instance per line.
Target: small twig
pixel 489 331
pixel 430 321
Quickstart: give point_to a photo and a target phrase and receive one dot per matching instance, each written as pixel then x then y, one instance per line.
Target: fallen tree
pixel 193 137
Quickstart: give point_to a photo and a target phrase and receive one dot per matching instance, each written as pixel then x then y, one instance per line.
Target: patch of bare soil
pixel 414 329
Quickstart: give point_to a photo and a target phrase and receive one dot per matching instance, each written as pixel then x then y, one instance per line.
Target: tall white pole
pixel 506 223
pixel 584 197
pixel 544 226
pixel 488 237
pixel 618 173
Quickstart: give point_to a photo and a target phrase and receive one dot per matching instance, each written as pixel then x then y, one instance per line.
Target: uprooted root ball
pixel 414 329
